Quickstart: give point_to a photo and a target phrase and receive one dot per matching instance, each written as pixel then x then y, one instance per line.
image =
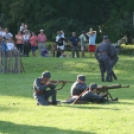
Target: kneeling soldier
pixel 40 93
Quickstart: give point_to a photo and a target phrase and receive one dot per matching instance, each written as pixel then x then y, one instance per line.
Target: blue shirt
pixel 92 39
pixel 74 40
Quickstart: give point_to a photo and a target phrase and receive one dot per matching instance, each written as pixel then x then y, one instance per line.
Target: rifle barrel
pixel 112 87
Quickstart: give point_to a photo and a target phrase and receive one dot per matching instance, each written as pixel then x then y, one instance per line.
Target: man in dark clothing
pixel 113 59
pixel 91 96
pixel 87 93
pixel 40 93
pixel 103 54
pixel 74 40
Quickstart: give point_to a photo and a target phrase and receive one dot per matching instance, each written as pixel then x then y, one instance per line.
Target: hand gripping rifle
pixel 103 90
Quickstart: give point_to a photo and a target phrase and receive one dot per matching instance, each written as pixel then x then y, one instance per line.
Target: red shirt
pixel 42 38
pixel 34 40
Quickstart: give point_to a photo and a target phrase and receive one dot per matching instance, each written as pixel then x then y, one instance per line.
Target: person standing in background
pixel 42 41
pixel 33 42
pixel 19 41
pixel 92 38
pixel 74 42
pixel 27 45
pixel 7 34
pixel 22 27
pixel 83 41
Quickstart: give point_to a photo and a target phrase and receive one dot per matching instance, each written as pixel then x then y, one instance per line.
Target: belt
pixel 39 92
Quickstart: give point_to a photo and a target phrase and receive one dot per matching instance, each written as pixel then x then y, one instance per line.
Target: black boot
pixel 114 76
pixel 102 77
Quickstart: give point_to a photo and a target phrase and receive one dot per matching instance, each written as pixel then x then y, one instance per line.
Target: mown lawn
pixel 19 113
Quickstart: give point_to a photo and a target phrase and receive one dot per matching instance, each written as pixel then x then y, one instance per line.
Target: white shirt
pixel 2 33
pixel 7 36
pixel 22 28
pixel 26 37
pixel 10 46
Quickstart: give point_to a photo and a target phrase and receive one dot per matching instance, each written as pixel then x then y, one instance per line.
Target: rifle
pixel 64 82
pixel 75 101
pixel 103 90
pixel 59 81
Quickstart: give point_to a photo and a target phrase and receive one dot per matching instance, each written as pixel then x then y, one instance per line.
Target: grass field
pixel 19 113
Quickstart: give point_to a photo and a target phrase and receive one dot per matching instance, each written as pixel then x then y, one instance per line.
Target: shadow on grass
pixel 91 106
pixel 12 128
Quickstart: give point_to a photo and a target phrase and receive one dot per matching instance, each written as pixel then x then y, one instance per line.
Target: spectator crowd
pixel 26 41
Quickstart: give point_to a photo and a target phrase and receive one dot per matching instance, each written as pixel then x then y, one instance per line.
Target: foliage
pixel 113 17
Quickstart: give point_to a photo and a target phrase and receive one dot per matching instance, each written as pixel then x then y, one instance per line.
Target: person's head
pixel 81 79
pixel 19 32
pixel 73 34
pixel 46 76
pixel 41 31
pixel 6 30
pixel 58 32
pixel 93 87
pixel 26 26
pixel 90 29
pixel 22 24
pixel 33 33
pixel 105 38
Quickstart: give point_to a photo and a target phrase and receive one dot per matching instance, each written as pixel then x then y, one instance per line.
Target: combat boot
pixel 102 77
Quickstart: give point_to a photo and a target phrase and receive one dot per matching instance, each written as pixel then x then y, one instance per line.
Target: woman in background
pixel 33 42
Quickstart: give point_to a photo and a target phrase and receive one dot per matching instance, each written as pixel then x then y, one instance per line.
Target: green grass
pixel 20 115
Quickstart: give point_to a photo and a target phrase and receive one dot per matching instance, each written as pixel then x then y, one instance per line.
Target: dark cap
pixel 105 37
pixel 81 77
pixel 92 86
pixel 46 74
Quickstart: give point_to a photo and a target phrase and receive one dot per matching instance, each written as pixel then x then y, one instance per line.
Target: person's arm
pixel 16 37
pixel 70 42
pixel 97 98
pixel 96 53
pixel 40 86
pixel 10 35
pixel 88 35
pixel 81 87
pixel 45 38
pixel 38 38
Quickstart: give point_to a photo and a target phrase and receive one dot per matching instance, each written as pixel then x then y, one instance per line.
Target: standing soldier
pixel 103 54
pixel 113 59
